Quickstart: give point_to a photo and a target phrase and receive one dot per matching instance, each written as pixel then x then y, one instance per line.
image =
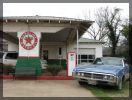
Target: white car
pixel 10 58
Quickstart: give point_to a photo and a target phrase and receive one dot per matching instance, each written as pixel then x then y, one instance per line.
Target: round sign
pixel 28 40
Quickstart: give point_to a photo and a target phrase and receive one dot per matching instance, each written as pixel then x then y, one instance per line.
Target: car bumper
pixel 96 81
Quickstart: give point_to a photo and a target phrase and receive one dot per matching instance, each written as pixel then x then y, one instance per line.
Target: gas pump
pixel 71 62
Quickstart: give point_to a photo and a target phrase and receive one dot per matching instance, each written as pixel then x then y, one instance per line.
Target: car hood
pixel 107 69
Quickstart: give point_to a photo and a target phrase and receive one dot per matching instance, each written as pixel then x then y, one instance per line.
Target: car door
pixel 11 59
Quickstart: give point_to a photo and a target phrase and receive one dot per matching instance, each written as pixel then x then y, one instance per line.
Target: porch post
pixel 77 46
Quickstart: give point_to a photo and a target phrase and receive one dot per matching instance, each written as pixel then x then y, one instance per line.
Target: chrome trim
pixel 80 77
pixel 115 80
pixel 95 73
pixel 123 63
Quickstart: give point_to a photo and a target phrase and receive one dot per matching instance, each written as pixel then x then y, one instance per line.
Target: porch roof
pixel 45 18
pixel 70 24
pixel 48 19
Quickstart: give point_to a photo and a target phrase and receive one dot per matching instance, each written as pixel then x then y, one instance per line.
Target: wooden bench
pixel 24 72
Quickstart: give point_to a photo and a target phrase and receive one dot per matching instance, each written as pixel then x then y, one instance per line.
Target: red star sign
pixel 28 40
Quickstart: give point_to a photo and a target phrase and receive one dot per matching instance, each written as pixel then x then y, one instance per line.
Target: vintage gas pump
pixel 71 62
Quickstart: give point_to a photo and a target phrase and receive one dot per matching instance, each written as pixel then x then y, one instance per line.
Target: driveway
pixel 44 88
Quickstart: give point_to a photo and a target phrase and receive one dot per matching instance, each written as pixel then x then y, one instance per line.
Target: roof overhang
pixel 67 23
pixel 49 19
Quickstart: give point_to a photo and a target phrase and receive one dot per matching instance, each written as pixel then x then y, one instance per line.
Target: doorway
pixel 45 54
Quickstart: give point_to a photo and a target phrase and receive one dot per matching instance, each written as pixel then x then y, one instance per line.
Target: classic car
pixel 104 70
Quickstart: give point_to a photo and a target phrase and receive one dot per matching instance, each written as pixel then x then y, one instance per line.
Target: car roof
pixel 112 58
pixel 11 52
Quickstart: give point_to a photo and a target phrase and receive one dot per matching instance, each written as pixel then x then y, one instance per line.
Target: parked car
pixel 10 58
pixel 104 70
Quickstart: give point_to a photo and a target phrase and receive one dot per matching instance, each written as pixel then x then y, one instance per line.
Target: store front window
pixel 85 58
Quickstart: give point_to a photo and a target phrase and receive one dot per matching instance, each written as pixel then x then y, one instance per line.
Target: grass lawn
pixel 109 91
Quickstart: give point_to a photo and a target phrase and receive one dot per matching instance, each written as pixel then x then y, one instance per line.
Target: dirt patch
pixel 44 88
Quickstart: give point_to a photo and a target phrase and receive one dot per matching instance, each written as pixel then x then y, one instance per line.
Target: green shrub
pixel 54 69
pixel 57 62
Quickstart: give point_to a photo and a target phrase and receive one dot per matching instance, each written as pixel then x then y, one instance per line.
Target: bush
pixel 57 62
pixel 54 69
pixel 8 69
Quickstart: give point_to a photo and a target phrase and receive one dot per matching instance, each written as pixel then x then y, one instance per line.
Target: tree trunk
pixel 113 51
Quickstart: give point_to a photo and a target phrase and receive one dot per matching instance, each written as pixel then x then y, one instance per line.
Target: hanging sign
pixel 28 40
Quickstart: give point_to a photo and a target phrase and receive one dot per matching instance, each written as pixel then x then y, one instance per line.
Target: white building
pixel 88 50
pixel 55 37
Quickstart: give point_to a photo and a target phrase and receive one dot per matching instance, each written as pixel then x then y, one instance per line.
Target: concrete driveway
pixel 44 88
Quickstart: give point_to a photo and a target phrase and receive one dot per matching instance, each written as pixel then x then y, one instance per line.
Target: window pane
pixel 91 56
pixel 12 56
pixel 60 51
pixel 83 56
pixel 83 60
pixel 1 55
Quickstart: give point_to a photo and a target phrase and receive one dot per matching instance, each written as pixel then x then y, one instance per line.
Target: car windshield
pixel 108 61
pixel 1 55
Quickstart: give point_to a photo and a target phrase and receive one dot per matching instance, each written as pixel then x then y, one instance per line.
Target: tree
pixel 108 23
pixel 97 31
pixel 125 32
pixel 130 42
pixel 112 22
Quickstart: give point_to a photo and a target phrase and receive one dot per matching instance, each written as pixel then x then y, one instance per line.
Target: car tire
pixel 119 85
pixel 81 83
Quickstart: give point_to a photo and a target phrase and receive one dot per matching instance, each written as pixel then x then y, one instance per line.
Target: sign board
pixel 29 44
pixel 71 62
pixel 28 40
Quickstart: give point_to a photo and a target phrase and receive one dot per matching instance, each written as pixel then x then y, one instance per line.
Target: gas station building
pixel 49 38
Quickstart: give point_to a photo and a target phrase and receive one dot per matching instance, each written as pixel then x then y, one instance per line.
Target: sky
pixel 70 10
